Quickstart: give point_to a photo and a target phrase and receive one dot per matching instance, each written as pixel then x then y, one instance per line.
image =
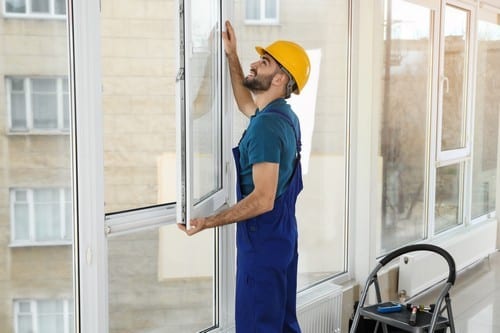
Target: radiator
pixel 319 309
pixel 419 271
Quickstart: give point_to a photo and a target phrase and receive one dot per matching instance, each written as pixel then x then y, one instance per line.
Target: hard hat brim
pixel 260 50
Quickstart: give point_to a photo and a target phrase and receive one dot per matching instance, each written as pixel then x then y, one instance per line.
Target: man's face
pixel 261 73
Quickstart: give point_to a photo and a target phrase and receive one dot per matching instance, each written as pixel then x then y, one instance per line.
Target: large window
pixel 322 110
pixel 487 108
pixel 425 90
pixel 165 125
pixel 405 107
pixel 163 151
pixel 36 215
pixel 41 215
pixel 38 104
pixel 43 316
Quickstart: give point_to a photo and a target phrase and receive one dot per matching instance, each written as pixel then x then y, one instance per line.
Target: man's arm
pixel 259 201
pixel 243 96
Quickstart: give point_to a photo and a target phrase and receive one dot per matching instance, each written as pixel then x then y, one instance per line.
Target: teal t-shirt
pixel 269 138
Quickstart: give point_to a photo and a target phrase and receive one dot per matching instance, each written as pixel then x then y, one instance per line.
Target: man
pixel 269 181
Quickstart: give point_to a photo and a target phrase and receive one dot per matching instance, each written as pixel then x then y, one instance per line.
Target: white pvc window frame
pixel 452 156
pixel 460 156
pixel 92 225
pixel 188 206
pixel 59 114
pixel 29 13
pixel 64 237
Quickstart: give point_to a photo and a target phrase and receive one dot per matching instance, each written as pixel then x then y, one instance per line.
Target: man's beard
pixel 258 83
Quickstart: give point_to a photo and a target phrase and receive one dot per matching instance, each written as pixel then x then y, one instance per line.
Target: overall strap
pixel 296 129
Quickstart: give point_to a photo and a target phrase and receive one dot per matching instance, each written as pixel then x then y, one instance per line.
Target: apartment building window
pixel 40 216
pixel 262 11
pixel 35 8
pixel 38 104
pixel 43 316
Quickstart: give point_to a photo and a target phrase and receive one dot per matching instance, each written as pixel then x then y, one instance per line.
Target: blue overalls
pixel 266 278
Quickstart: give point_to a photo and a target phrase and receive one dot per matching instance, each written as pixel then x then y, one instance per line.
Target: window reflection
pixel 449 193
pixel 486 120
pixel 405 109
pixel 36 283
pixel 155 283
pixel 456 39
pixel 204 99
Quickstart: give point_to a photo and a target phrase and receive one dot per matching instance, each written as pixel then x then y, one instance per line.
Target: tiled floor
pixel 475 298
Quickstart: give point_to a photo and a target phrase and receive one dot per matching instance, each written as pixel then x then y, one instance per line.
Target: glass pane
pixel 449 180
pixel 321 108
pixel 40 6
pixel 139 52
pixel 252 9
pixel 21 221
pixel 51 316
pixel 44 103
pixel 17 104
pixel 24 324
pixel 271 10
pixel 60 7
pixel 486 120
pixel 15 6
pixel 404 91
pixel 155 287
pixel 47 214
pixel 203 104
pixel 40 48
pixel 455 71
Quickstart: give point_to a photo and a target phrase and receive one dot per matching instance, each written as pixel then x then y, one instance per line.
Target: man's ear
pixel 280 79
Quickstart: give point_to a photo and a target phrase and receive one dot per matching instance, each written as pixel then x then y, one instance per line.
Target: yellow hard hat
pixel 292 57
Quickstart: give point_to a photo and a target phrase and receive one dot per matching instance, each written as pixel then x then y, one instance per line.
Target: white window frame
pixel 187 207
pixel 455 155
pixel 491 14
pixel 51 15
pixel 33 241
pixel 459 155
pixel 67 311
pixel 30 127
pixel 93 234
pixel 263 20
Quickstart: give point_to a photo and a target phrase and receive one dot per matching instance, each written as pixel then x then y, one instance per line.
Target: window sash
pixel 447 153
pixel 38 105
pixel 29 226
pixel 194 197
